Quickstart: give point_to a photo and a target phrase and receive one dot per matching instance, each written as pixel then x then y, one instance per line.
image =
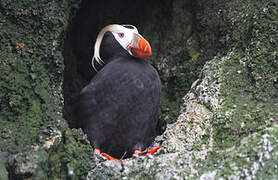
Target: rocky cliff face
pixel 35 141
pixel 218 64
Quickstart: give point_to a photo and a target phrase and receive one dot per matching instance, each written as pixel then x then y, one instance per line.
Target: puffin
pixel 118 109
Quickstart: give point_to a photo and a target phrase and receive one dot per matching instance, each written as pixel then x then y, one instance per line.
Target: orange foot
pixel 108 157
pixel 151 151
pixel 97 151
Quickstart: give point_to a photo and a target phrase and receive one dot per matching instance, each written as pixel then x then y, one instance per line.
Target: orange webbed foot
pixel 108 157
pixel 140 152
pixel 151 151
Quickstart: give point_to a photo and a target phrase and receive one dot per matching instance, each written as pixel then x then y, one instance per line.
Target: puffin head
pixel 128 37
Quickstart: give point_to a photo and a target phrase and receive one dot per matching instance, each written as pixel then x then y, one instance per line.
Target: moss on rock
pixel 254 158
pixel 33 135
pixel 72 159
pixel 175 50
pixel 228 123
pixel 240 82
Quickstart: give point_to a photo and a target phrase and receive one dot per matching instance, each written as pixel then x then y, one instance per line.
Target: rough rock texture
pixel 227 127
pixel 35 141
pixel 229 121
pixel 176 50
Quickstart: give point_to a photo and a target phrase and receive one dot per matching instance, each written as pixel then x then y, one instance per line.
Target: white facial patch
pixel 124 37
pixel 124 34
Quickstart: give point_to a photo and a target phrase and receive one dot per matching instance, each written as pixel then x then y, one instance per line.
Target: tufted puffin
pixel 118 108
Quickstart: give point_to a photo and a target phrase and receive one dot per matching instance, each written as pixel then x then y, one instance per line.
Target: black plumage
pixel 118 108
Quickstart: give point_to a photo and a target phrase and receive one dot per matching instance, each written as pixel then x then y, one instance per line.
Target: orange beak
pixel 142 49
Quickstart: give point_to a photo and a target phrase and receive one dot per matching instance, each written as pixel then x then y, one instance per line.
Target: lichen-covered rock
pixel 254 158
pixel 34 138
pixel 240 84
pixel 175 53
pixel 72 158
pixel 227 128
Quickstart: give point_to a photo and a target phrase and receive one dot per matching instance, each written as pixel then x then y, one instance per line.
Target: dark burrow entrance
pixel 156 21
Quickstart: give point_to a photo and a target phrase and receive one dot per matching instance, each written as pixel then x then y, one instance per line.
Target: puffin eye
pixel 121 35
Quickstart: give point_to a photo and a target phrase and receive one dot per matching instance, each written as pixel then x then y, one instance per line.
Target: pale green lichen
pixel 255 157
